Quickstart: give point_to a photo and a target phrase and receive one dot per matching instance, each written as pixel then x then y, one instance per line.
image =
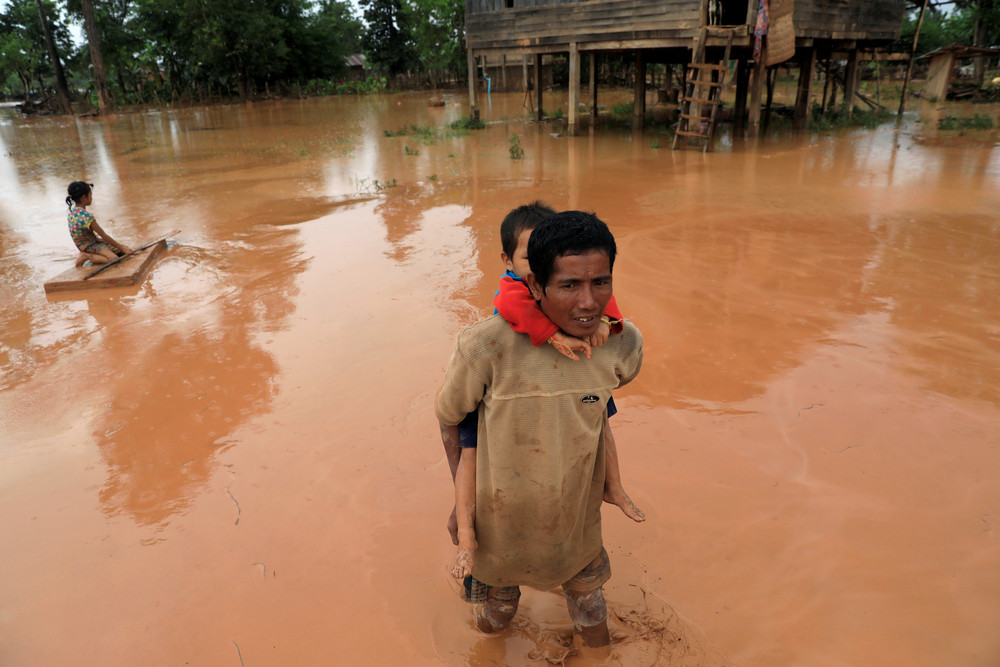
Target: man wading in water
pixel 529 497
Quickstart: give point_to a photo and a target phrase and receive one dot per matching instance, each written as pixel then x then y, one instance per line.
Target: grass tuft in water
pixel 469 122
pixel 977 122
pixel 515 148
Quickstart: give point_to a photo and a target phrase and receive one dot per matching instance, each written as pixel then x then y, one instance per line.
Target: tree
pixel 62 90
pixel 96 59
pixel 438 30
pixel 388 41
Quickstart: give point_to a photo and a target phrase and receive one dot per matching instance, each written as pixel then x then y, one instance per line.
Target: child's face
pixel 519 262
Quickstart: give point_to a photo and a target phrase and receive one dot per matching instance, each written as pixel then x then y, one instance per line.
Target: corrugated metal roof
pixel 356 60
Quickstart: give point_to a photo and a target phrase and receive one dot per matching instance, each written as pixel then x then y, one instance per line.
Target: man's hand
pixel 600 337
pixel 568 345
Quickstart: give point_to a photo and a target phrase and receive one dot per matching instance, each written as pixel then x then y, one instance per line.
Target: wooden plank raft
pixel 128 272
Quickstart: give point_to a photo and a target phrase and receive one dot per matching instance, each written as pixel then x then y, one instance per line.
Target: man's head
pixel 514 232
pixel 571 255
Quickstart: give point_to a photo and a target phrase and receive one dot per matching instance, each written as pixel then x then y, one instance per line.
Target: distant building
pixel 668 31
pixel 357 65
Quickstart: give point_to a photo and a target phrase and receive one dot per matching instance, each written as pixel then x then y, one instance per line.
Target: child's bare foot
pixel 620 498
pixel 80 259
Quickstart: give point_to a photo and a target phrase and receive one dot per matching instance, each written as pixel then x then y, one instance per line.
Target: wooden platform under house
pixel 704 37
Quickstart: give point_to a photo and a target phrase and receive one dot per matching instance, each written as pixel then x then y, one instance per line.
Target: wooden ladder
pixel 702 91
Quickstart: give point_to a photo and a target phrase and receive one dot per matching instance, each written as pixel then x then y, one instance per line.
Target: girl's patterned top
pixel 79 220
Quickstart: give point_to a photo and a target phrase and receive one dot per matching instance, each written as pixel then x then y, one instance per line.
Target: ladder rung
pixel 695 82
pixel 685 133
pixel 691 117
pixel 707 66
pixel 700 100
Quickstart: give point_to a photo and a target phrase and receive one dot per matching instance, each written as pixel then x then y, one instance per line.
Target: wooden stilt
pixel 851 80
pixel 772 75
pixel 503 71
pixel 639 107
pixel 740 104
pixel 756 91
pixel 909 65
pixel 538 86
pixel 826 83
pixel 593 85
pixel 574 88
pixel 473 108
pixel 807 63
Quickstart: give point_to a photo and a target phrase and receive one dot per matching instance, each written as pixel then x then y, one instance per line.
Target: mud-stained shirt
pixel 540 464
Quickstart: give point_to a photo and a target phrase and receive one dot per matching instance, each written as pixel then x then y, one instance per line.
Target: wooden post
pixel 593 85
pixel 757 90
pixel 851 80
pixel 909 65
pixel 639 107
pixel 473 109
pixel 524 72
pixel 740 105
pixel 503 71
pixel 574 89
pixel 807 62
pixel 538 86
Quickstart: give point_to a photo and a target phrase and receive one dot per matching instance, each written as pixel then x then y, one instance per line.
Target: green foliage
pixel 956 27
pixel 22 44
pixel 840 117
pixel 432 177
pixel 977 122
pixel 623 110
pixel 514 147
pixel 388 40
pixel 655 143
pixel 558 114
pixel 437 31
pixel 469 122
pixel 410 151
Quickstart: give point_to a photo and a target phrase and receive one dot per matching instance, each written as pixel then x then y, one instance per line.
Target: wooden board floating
pixel 126 273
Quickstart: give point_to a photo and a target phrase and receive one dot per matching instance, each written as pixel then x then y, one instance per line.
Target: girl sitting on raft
pixel 93 242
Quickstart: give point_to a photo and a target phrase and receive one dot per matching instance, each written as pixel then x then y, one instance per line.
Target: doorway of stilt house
pixel 729 12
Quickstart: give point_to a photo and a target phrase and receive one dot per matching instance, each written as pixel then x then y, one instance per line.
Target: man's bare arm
pixel 465 503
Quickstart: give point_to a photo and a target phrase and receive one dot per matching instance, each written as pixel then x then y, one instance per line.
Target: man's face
pixel 519 262
pixel 578 292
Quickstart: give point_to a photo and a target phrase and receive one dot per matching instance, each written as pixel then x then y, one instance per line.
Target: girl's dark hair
pixel 520 219
pixel 77 190
pixel 567 233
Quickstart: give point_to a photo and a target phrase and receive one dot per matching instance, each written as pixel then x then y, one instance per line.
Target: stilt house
pixel 701 35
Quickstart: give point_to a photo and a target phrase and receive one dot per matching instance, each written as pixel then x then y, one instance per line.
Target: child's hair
pixel 77 190
pixel 521 218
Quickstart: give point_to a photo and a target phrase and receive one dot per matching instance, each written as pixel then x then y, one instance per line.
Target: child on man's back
pixel 513 302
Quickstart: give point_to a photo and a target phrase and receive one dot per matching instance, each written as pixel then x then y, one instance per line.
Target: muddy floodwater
pixel 238 463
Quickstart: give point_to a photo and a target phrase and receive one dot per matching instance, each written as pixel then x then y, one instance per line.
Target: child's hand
pixel 462 566
pixel 567 345
pixel 600 337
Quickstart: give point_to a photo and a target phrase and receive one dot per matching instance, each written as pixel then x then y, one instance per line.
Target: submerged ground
pixel 238 462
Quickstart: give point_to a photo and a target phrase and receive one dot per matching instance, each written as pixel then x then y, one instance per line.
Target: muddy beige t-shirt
pixel 540 462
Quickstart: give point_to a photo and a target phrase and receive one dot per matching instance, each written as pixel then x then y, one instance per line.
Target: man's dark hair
pixel 567 233
pixel 521 218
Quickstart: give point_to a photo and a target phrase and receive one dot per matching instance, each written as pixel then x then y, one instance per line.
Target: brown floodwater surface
pixel 237 462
